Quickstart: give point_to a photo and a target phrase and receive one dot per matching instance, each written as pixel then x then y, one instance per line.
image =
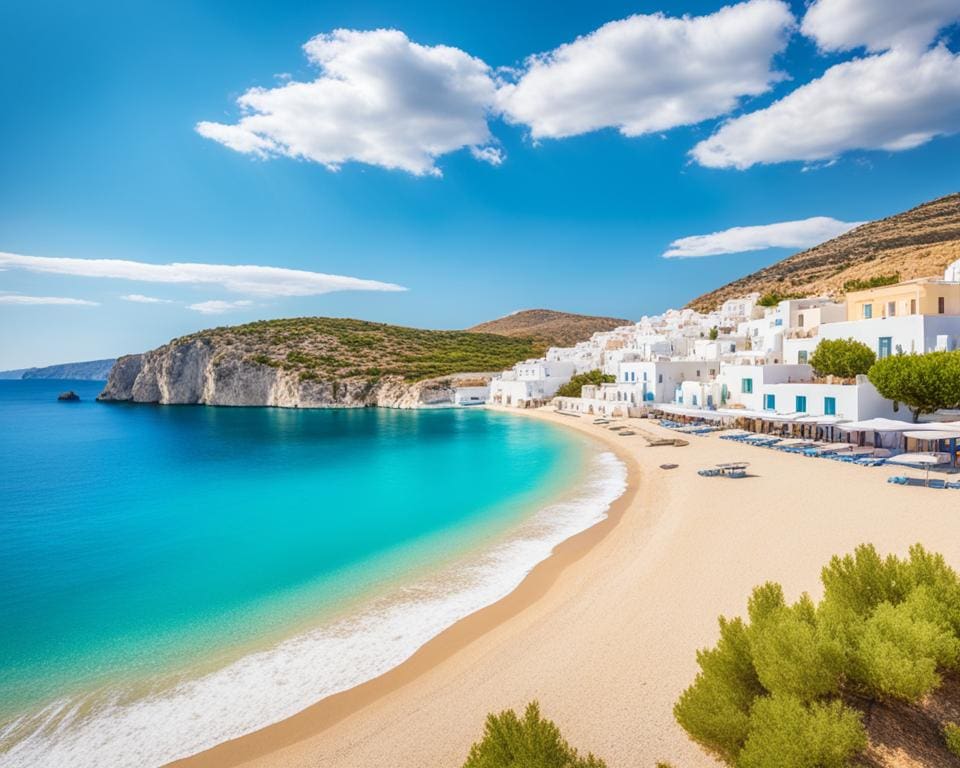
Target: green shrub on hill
pixel 951 735
pixel 331 348
pixel 529 742
pixel 771 692
pixel 871 282
pixel 574 387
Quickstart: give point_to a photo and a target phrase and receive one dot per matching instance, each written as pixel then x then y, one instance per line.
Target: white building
pixel 530 383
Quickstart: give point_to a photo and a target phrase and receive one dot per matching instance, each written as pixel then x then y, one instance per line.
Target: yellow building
pixel 924 296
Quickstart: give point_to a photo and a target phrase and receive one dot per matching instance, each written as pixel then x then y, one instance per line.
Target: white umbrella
pixel 925 460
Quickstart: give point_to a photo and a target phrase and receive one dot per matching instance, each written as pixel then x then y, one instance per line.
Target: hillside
pixel 312 362
pixel 90 370
pixel 552 329
pixel 920 242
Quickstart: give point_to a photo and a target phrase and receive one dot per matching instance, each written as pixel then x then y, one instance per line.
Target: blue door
pixel 885 347
pixel 830 406
pixel 801 404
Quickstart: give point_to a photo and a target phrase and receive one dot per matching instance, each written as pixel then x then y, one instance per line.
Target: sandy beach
pixel 604 633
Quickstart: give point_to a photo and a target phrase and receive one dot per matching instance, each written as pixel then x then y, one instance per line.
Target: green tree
pixel 842 357
pixel 923 383
pixel 531 742
pixel 714 332
pixel 573 387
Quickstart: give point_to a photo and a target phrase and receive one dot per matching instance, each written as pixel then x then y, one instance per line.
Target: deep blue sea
pixel 173 576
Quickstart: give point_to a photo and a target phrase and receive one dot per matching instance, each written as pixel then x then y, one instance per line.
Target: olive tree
pixel 846 358
pixel 923 383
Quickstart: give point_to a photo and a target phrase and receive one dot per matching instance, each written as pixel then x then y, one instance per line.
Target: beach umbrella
pixel 925 460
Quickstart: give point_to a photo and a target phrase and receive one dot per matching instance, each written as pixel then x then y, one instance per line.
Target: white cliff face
pixel 195 372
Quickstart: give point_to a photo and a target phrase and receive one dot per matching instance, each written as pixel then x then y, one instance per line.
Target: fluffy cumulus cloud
pixel 893 101
pixel 650 73
pixel 840 25
pixel 379 99
pixel 247 279
pixel 218 307
pixel 139 298
pixel 803 233
pixel 21 300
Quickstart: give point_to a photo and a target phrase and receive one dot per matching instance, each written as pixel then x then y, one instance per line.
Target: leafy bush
pixel 786 732
pixel 871 282
pixel 842 357
pixel 770 693
pixel 573 387
pixel 532 742
pixel 951 734
pixel 924 383
pixel 773 298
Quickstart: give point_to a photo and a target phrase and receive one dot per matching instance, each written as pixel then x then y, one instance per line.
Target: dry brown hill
pixel 920 242
pixel 555 329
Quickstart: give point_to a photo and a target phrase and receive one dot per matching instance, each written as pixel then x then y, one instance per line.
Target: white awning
pixel 878 425
pixel 932 434
pixel 822 420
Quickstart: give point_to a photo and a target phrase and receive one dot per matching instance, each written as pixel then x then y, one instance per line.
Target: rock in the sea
pixel 68 396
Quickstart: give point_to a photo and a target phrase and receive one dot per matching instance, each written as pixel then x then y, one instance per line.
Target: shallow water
pixel 174 576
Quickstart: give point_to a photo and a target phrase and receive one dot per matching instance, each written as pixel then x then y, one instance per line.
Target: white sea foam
pixel 268 686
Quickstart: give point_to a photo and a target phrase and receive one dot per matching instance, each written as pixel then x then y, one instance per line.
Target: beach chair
pixel 708 472
pixel 955 486
pixel 900 480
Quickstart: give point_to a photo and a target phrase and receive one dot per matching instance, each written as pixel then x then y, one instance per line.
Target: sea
pixel 175 576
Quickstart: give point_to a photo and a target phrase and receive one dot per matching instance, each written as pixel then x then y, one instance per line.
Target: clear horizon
pixel 204 164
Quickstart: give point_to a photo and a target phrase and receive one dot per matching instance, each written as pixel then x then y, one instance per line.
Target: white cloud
pixel 139 298
pixel 16 298
pixel 218 307
pixel 649 73
pixel 894 101
pixel 246 279
pixel 841 25
pixel 803 233
pixel 380 99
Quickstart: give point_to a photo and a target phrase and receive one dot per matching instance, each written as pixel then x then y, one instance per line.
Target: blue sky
pixel 590 180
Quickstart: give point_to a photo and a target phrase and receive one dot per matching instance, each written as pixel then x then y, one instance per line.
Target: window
pixel 941 305
pixel 694 402
pixel 829 406
pixel 660 379
pixel 801 404
pixel 746 386
pixel 913 306
pixel 802 356
pixel 891 309
pixel 867 311
pixel 884 347
pixel 800 321
pixel 769 402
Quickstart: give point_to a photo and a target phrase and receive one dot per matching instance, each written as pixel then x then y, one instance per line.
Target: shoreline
pixel 327 712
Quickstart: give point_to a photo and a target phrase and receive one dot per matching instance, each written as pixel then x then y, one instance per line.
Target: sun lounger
pixel 898 480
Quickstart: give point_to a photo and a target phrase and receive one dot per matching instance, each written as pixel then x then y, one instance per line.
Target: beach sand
pixel 604 633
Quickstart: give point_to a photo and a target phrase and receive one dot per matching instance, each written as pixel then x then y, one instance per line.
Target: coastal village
pixel 747 364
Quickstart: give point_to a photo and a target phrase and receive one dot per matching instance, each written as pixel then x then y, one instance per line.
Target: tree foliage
pixel 842 357
pixel 573 387
pixel 923 383
pixel 770 693
pixel 529 742
pixel 951 735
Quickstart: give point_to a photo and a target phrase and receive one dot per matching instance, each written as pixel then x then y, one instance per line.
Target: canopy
pixel 821 420
pixel 878 425
pixel 932 434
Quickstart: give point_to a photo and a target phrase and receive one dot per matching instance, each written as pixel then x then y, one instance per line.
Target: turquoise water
pixel 153 557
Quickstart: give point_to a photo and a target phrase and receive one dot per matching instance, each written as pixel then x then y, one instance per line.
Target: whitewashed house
pixel 531 383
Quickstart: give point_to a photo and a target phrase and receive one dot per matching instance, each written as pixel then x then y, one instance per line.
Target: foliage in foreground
pixel 573 387
pixel 923 383
pixel 951 734
pixel 770 692
pixel 846 358
pixel 531 742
